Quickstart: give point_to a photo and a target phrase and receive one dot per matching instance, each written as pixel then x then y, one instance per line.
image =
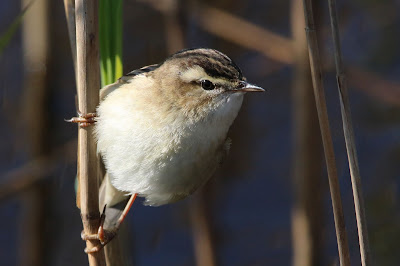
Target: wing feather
pixel 124 79
pixel 142 70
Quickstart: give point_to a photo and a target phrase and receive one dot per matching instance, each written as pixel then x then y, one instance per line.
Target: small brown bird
pixel 162 130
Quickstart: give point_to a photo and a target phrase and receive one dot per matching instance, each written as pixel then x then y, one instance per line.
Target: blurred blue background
pixel 249 206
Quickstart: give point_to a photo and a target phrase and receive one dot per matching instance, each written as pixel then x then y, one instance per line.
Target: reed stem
pixel 349 139
pixel 316 73
pixel 86 15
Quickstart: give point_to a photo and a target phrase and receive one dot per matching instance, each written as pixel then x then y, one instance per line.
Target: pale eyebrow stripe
pixel 197 73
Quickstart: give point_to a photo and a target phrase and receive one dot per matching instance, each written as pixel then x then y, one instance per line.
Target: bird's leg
pixel 84 120
pixel 106 235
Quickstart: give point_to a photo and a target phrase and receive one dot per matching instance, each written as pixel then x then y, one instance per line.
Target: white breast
pixel 157 152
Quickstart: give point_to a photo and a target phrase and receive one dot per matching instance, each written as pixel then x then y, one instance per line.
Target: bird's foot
pixel 103 235
pixel 84 120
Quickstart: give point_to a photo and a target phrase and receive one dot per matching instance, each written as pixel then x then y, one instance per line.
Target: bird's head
pixel 202 81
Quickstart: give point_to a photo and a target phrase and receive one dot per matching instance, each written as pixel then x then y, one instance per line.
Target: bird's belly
pixel 165 172
pixel 184 172
pixel 162 158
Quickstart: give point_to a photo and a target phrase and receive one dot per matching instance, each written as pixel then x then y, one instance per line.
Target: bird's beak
pixel 247 87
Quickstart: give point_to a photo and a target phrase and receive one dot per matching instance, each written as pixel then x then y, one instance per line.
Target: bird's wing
pixel 126 78
pixel 142 70
pixel 108 89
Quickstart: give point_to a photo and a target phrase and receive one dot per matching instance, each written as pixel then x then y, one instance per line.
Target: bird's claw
pixel 93 249
pixel 84 120
pixel 102 235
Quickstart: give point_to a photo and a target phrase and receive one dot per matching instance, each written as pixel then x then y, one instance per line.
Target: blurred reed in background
pixel 252 212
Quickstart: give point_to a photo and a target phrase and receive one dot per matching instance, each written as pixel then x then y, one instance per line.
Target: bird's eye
pixel 207 85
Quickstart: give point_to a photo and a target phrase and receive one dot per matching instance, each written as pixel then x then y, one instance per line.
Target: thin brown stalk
pixel 171 11
pixel 86 15
pixel 307 163
pixel 69 6
pixel 204 247
pixel 113 251
pixel 349 138
pixel 175 39
pixel 316 73
pixel 35 32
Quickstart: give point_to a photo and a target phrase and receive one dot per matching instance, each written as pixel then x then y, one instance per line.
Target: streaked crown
pixel 214 63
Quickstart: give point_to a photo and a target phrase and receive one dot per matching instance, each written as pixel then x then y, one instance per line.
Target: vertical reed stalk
pixel 307 163
pixel 109 11
pixel 86 14
pixel 69 6
pixel 204 247
pixel 34 122
pixel 316 73
pixel 349 138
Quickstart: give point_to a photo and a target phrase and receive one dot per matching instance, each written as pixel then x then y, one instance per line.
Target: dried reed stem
pixel 113 251
pixel 349 138
pixel 204 247
pixel 86 14
pixel 316 73
pixel 35 118
pixel 69 6
pixel 307 209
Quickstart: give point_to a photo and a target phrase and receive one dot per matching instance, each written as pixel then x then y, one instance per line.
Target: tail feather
pixel 115 201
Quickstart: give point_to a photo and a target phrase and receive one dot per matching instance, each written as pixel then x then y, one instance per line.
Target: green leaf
pixel 6 37
pixel 110 36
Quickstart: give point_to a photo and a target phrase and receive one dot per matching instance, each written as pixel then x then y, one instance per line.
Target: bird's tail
pixel 115 201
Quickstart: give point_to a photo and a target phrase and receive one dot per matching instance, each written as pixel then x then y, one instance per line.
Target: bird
pixel 161 130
